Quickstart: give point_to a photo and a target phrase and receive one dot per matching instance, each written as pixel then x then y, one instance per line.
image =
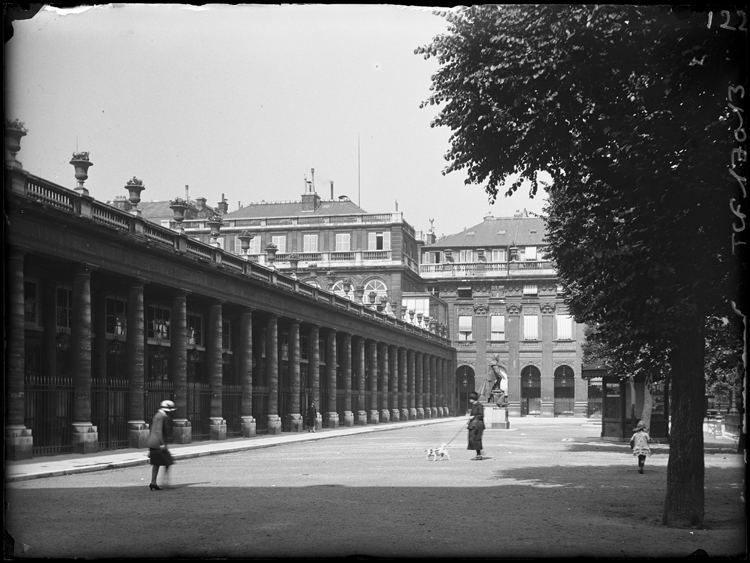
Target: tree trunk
pixel 648 402
pixel 684 503
pixel 633 418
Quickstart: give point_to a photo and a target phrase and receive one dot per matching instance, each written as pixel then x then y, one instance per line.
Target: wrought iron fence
pixel 199 410
pixel 109 412
pixel 260 409
pixel 49 413
pixel 564 406
pixel 231 409
pixel 594 407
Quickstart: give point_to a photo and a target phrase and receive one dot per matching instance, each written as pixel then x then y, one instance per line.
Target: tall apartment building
pixel 506 315
pixel 335 245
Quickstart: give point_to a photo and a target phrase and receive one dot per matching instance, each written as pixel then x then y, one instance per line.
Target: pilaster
pixel 18 438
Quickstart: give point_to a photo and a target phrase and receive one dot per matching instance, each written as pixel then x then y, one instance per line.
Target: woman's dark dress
pixel 476 427
pixel 312 416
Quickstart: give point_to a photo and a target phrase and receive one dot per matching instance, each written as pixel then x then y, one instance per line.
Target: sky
pixel 243 102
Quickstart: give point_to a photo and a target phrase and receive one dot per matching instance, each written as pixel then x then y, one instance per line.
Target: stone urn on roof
pixel 14 130
pixel 81 164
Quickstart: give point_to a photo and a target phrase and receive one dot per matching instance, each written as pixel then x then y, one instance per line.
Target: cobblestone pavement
pixel 547 488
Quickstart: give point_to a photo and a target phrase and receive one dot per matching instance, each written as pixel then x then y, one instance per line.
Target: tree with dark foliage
pixel 636 113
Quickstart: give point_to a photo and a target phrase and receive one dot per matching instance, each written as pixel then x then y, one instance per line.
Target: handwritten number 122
pixel 726 25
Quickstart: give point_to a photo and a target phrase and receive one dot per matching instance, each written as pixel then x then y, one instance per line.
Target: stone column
pixel 272 373
pixel 374 414
pixel 439 386
pixel 411 384
pixel 295 418
pixel 548 376
pixel 453 388
pixel 432 386
pixel 135 346
pixel 332 416
pixel 182 431
pixel 402 384
pixel 214 367
pixel 385 415
pixel 448 387
pixel 313 371
pixel 85 438
pixel 513 331
pixel 346 374
pixel 419 384
pixel 360 377
pixel 245 368
pixel 18 438
pixel 394 383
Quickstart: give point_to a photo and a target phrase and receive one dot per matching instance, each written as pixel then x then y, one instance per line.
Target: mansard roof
pixel 294 209
pixel 496 232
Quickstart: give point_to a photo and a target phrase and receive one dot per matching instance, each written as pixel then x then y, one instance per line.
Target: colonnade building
pixel 108 314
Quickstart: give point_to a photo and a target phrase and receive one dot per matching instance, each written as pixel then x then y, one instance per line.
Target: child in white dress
pixel 639 444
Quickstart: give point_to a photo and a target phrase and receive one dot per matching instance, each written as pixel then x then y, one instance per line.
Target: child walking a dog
pixel 476 425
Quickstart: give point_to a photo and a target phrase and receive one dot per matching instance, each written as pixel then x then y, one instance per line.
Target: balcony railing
pixel 486 269
pixel 230 224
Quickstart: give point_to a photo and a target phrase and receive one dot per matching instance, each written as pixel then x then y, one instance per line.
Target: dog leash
pixel 456 436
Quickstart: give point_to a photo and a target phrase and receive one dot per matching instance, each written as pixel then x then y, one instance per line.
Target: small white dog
pixel 433 454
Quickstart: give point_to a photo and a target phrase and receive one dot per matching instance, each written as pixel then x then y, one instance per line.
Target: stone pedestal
pixel 385 415
pixel 496 417
pixel 404 414
pixel 248 426
pixel 374 417
pixel 182 431
pixel 333 419
pixel 348 418
pixel 420 413
pixel 137 434
pixel 84 438
pixel 318 421
pixel 274 424
pixel 395 415
pixel 412 414
pixel 18 443
pixel 217 428
pixel 295 423
pixel 362 418
pixel 433 412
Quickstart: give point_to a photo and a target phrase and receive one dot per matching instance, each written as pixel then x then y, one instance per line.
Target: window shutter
pixel 372 241
pixel 387 240
pixel 530 327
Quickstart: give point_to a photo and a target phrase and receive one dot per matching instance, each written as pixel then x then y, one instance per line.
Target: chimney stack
pixel 223 205
pixel 331 189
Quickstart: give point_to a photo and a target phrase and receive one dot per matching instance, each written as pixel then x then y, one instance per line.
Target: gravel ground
pixel 547 488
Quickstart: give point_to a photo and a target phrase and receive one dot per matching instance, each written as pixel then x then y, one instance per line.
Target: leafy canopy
pixel 626 108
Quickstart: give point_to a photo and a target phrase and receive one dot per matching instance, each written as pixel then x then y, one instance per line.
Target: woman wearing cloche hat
pixel 158 452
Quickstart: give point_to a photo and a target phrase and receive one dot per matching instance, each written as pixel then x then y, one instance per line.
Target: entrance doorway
pixel 531 391
pixel 464 385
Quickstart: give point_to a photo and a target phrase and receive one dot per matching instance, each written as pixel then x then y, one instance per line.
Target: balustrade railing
pixel 51 194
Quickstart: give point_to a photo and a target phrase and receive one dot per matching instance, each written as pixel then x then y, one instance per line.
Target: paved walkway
pixel 68 464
